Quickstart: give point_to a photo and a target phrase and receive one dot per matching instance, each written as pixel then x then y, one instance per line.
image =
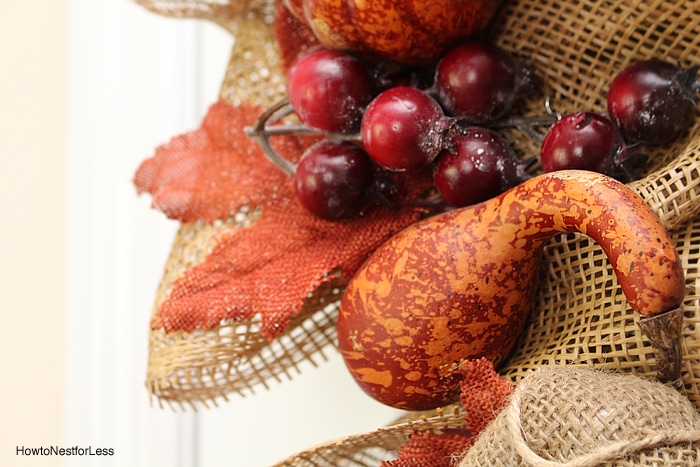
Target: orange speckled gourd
pixel 405 31
pixel 461 284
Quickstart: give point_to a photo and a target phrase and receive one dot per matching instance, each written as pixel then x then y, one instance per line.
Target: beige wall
pixel 32 158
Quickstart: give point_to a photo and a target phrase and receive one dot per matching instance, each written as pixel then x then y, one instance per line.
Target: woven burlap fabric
pixel 563 416
pixel 371 448
pixel 581 317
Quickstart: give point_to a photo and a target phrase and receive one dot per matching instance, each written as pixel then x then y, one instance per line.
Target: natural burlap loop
pixel 646 439
pixel 575 417
pixel 421 439
pixel 224 13
pixel 374 447
pixel 580 318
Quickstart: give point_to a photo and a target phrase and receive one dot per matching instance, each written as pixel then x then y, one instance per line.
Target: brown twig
pixel 268 125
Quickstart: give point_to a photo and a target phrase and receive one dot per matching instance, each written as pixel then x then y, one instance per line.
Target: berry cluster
pixel 649 102
pixel 443 118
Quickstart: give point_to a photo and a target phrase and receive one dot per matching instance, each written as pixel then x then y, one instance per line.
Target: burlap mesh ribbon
pixel 375 447
pixel 580 318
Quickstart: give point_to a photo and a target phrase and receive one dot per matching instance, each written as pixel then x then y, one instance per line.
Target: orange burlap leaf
pixel 428 449
pixel 211 172
pixel 271 267
pixel 483 394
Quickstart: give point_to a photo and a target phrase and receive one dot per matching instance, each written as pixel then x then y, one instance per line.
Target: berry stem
pixel 527 125
pixel 268 125
pixel 265 128
pixel 687 81
pixel 260 132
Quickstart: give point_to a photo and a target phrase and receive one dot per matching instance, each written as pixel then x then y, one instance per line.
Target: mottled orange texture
pixel 462 283
pixel 403 31
pixel 271 267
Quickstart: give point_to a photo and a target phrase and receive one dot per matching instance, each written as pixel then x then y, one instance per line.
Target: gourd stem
pixel 664 331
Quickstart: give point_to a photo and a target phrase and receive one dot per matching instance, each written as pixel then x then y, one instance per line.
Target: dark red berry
pixel 479 81
pixel 332 179
pixel 652 101
pixel 398 129
pixel 329 90
pixel 482 165
pixel 585 141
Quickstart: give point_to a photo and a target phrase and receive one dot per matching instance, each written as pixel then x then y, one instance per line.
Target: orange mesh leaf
pixel 211 172
pixel 271 267
pixel 428 449
pixel 484 393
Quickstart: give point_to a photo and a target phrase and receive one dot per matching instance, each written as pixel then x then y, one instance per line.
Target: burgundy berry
pixel 398 129
pixel 584 141
pixel 332 179
pixel 479 81
pixel 653 101
pixel 329 90
pixel 482 165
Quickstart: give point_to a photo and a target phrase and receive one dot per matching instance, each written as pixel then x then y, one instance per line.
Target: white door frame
pixel 136 80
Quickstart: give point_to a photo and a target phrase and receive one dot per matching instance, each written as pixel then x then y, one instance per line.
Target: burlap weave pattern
pixel 561 416
pixel 373 447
